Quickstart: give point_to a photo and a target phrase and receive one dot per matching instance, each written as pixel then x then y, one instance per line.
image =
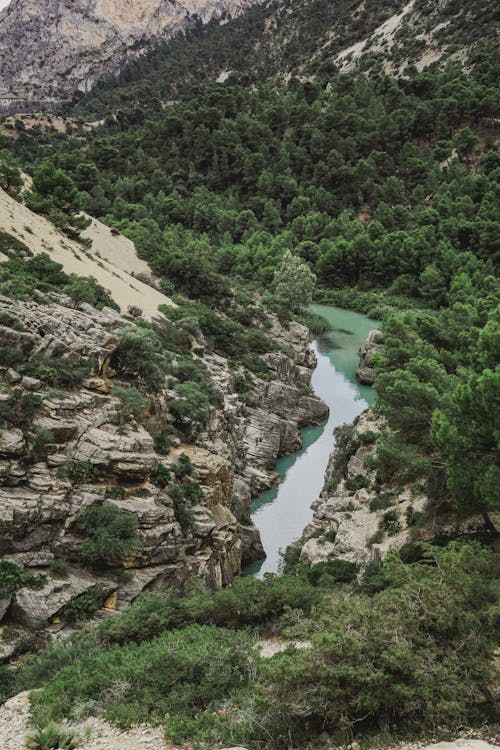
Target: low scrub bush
pixel 110 535
pixel 177 672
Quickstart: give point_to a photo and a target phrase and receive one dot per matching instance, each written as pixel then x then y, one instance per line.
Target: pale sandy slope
pixel 111 261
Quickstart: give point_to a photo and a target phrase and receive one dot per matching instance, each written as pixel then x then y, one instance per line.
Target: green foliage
pixel 80 471
pixel 390 657
pixel 294 282
pixel 10 174
pixel 110 535
pixel 55 194
pixel 85 605
pixel 137 356
pixel 133 403
pixel 19 277
pixel 176 673
pixel 332 571
pixel 191 408
pixel 160 477
pixel 390 522
pixel 248 602
pixel 14 577
pixel 162 443
pixel 42 439
pixel 52 737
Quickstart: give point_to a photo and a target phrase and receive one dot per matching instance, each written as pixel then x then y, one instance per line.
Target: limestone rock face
pixel 365 372
pixel 51 48
pixel 91 454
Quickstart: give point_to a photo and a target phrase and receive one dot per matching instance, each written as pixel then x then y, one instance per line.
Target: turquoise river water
pixel 282 512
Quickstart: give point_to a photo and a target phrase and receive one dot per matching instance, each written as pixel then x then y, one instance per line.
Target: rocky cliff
pixel 50 49
pixel 64 450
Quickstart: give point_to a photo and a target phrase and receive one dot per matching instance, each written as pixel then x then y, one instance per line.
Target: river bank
pixel 282 512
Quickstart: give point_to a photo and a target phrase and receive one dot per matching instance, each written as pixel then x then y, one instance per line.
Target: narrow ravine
pixel 284 511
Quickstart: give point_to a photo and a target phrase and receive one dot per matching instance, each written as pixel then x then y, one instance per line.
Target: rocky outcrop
pixel 365 372
pixel 50 49
pixel 351 520
pixel 70 450
pixel 358 519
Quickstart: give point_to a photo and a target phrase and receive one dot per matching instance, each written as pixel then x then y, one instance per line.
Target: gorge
pixel 282 512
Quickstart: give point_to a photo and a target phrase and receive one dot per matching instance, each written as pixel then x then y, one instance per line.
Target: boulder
pixel 12 376
pixel 11 442
pixel 31 384
pixel 34 608
pixel 365 372
pixel 251 544
pixel 128 452
pixel 63 430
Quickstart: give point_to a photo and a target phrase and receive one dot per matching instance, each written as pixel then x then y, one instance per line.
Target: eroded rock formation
pixel 70 452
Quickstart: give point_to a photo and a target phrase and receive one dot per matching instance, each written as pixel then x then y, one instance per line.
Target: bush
pixel 162 443
pixel 14 577
pixel 137 356
pixel 85 604
pixel 332 571
pixel 404 656
pixel 191 409
pixel 133 403
pixel 390 522
pixel 80 472
pixel 110 535
pixel 52 737
pixel 247 602
pixel 177 672
pixel 160 477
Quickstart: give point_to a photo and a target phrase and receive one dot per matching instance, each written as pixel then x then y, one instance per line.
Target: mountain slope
pixel 280 39
pixel 111 261
pixel 50 49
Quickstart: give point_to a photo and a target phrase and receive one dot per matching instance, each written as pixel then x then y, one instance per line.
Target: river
pixel 282 512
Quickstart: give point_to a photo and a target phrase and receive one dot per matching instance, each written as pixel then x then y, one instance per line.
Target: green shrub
pixel 177 672
pixel 116 493
pixel 160 477
pixel 404 656
pixel 382 501
pixel 332 571
pixel 133 403
pixel 376 538
pixel 390 522
pixel 353 484
pixel 80 472
pixel 191 408
pixel 52 737
pixel 85 605
pixel 413 516
pixel 14 577
pixel 7 682
pixel 162 443
pixel 182 467
pixel 110 535
pixel 137 356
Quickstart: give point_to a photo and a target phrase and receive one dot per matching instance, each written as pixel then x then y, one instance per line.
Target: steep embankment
pixel 111 260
